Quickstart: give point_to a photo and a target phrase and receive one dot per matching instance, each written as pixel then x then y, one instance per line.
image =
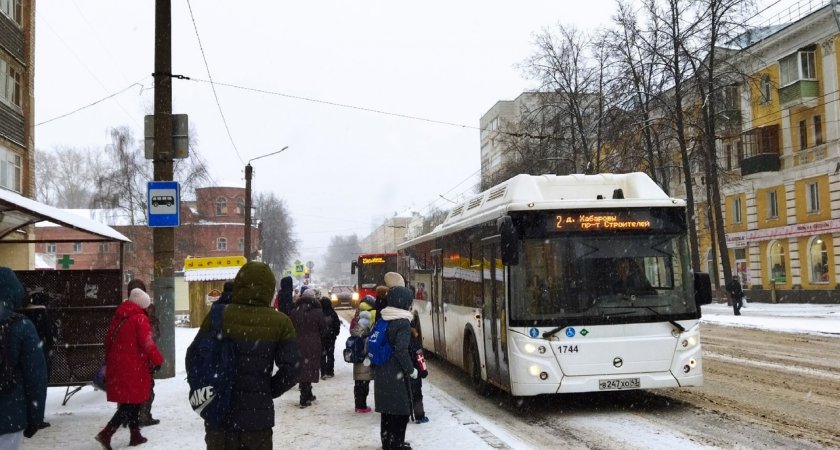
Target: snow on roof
pixel 113 217
pixel 19 211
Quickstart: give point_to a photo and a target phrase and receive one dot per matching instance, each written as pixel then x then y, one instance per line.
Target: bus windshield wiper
pixel 548 334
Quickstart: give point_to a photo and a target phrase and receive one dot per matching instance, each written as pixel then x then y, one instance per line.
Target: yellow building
pixel 782 203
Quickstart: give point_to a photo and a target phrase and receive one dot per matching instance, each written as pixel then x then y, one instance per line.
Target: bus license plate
pixel 613 384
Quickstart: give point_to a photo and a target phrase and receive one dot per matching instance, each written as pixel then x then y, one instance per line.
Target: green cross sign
pixel 66 261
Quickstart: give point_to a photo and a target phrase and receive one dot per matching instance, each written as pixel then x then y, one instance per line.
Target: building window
pixel 221 244
pixel 778 273
pixel 818 136
pixel 812 193
pixel 818 260
pixel 240 207
pixel 10 79
pixel 221 206
pixel 10 170
pixel 772 205
pixel 798 66
pixel 766 89
pixel 12 9
pixel 51 247
pixel 241 243
pixel 803 134
pixel 736 210
pixel 103 247
pixel 77 247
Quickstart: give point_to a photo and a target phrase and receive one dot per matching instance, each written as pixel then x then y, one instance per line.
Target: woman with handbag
pixel 130 357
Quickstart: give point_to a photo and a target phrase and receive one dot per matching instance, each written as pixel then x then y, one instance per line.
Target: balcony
pixel 802 92
pixel 762 162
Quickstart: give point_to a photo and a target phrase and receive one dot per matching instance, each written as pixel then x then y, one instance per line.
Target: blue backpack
pixel 211 370
pixel 378 347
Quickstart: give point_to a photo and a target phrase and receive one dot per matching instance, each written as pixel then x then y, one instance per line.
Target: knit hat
pixel 308 293
pixel 393 279
pixel 254 284
pixel 139 298
pixel 400 297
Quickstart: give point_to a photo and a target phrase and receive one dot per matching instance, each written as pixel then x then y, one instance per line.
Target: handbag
pixel 99 378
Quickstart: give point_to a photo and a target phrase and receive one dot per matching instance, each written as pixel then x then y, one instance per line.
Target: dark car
pixel 344 296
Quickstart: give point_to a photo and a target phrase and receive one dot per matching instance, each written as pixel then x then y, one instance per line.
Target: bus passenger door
pixel 437 303
pixel 494 313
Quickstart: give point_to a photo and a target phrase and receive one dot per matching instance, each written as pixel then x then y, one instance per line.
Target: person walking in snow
pixel 23 405
pixel 332 326
pixel 309 325
pixel 145 415
pixel 131 357
pixel 362 372
pixel 285 294
pixel 264 339
pixel 736 293
pixel 391 390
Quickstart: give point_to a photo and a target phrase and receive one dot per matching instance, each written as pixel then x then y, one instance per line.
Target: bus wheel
pixel 474 369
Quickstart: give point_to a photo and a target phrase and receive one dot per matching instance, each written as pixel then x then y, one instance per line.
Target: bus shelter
pixel 80 303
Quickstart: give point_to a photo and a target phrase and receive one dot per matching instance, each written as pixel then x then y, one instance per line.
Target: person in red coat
pixel 130 357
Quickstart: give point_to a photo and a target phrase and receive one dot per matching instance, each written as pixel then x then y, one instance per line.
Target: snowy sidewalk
pixel 330 423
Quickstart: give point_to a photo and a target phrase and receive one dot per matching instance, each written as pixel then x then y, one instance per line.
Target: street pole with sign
pixel 249 172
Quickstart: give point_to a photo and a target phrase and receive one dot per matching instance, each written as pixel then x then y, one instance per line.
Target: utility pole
pixel 164 237
pixel 249 171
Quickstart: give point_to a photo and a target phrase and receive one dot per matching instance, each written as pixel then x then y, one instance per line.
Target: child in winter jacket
pixel 362 372
pixel 416 349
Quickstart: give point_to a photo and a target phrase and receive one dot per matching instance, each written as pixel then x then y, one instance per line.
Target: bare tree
pixel 65 176
pixel 276 231
pixel 340 252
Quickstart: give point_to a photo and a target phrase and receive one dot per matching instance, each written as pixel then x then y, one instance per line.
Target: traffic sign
pixel 163 199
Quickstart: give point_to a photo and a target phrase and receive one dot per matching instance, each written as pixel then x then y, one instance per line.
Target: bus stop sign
pixel 163 202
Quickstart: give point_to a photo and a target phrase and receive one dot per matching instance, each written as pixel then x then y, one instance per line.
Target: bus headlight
pixel 534 370
pixel 529 348
pixel 355 296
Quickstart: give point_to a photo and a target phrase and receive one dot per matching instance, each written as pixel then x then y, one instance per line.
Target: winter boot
pixel 104 436
pixel 136 437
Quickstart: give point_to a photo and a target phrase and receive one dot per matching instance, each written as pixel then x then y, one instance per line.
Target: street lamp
pixel 248 173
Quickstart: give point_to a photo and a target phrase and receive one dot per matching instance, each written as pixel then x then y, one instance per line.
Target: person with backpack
pixel 131 357
pixel 264 338
pixel 331 329
pixel 392 390
pixel 23 368
pixel 309 324
pixel 362 372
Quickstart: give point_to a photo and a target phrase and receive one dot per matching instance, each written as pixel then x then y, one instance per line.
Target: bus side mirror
pixel 510 241
pixel 353 267
pixel 702 289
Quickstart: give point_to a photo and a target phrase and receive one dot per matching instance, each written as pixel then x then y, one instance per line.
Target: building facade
pixel 17 106
pixel 782 207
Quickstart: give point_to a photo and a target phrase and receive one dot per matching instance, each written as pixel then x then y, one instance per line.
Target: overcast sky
pixel 281 68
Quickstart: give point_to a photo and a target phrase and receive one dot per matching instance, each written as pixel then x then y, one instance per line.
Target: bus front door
pixel 494 314
pixel 437 303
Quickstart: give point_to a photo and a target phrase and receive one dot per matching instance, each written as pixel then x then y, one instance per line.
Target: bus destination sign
pixel 373 260
pixel 602 221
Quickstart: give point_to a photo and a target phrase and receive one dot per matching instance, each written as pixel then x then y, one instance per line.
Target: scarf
pixel 391 313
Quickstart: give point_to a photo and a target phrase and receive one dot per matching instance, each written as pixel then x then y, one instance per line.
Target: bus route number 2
pixel 568 348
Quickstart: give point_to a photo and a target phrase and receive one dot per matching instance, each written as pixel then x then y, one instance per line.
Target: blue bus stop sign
pixel 163 201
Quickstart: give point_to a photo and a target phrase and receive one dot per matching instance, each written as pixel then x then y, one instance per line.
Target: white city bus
pixel 549 284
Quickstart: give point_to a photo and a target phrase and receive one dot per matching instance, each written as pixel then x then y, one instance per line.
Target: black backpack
pixel 7 366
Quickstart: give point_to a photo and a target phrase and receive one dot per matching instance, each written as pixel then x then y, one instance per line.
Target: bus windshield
pixel 599 280
pixel 373 267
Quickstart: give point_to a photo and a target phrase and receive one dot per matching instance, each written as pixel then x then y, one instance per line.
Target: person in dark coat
pixel 285 304
pixel 227 294
pixel 309 325
pixel 130 357
pixel 23 406
pixel 264 338
pixel 419 360
pixel 332 326
pixel 392 390
pixel 35 309
pixel 737 294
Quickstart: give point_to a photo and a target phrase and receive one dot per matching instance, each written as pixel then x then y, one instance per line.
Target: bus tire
pixel 473 363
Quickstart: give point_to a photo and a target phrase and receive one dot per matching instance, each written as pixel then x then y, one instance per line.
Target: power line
pixel 136 83
pixel 212 85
